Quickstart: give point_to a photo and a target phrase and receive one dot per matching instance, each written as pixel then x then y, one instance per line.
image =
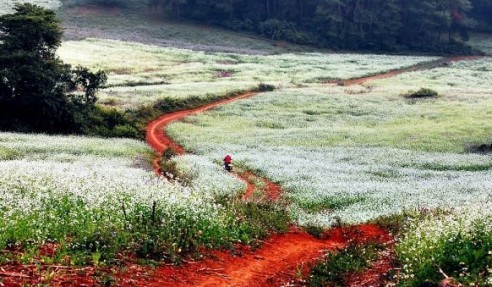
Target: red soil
pixel 246 177
pixel 271 191
pixel 282 259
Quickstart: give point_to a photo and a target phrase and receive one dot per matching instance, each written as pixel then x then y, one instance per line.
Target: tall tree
pixel 34 82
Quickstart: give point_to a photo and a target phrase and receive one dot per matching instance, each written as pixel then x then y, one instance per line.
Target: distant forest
pixel 385 25
pixel 440 26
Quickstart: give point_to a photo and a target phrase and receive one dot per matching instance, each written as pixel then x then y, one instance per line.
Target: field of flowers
pixel 361 153
pixel 155 72
pixel 7 5
pixel 96 197
pixel 350 156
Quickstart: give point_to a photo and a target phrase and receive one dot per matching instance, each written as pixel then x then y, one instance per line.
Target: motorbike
pixel 228 167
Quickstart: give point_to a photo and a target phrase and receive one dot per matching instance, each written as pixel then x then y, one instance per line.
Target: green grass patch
pixel 335 267
pixel 459 167
pixel 8 153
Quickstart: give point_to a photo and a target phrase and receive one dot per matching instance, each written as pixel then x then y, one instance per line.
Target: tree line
pixel 386 25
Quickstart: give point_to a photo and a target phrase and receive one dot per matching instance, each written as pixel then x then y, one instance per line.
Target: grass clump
pixel 422 93
pixel 255 220
pixel 8 153
pixel 335 267
pixel 314 230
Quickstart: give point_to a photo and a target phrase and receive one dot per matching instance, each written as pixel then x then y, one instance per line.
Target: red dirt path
pixel 282 257
pixel 281 260
pixel 159 141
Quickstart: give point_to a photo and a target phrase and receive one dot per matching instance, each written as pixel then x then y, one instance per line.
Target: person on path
pixel 227 162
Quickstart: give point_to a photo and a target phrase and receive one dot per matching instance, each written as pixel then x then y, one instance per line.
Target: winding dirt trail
pixel 282 258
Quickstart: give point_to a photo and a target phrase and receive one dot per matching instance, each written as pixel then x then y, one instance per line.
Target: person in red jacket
pixel 227 162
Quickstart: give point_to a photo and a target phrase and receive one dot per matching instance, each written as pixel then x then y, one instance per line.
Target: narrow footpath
pixel 282 258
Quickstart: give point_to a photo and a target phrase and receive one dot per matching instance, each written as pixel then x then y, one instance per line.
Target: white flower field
pixel 328 164
pixel 142 74
pixel 360 154
pixel 54 188
pixel 341 154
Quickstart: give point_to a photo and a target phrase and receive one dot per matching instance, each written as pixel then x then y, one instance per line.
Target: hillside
pixel 145 27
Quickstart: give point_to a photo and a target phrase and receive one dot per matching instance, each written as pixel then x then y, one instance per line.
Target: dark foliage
pixel 482 12
pixel 333 270
pixel 38 92
pixel 386 25
pixel 422 93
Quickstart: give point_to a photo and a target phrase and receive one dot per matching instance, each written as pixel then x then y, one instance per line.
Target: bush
pixel 108 122
pixel 422 93
pixel 277 29
pixel 262 87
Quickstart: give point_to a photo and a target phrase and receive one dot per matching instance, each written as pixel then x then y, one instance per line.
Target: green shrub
pixel 262 87
pixel 422 93
pixel 314 230
pixel 108 122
